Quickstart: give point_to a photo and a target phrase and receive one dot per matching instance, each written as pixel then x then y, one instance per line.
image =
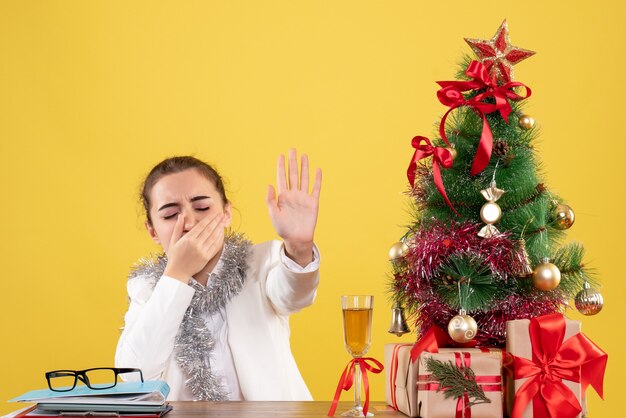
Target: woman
pixel 211 315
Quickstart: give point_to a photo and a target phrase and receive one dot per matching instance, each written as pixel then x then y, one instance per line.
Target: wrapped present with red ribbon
pixel 552 364
pixel 401 379
pixel 481 367
pixel 413 390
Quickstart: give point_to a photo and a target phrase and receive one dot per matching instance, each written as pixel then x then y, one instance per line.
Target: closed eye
pixel 172 216
pixel 203 209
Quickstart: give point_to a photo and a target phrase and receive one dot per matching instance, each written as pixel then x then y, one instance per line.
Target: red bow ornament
pixel 441 157
pixel 578 360
pixel 451 94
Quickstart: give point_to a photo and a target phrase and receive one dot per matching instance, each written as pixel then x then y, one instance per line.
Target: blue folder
pixel 153 392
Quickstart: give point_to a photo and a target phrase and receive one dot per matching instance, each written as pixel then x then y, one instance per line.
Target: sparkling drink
pixel 357 325
pixel 357 335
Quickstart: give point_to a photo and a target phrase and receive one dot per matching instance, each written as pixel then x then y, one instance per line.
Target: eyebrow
pixel 193 199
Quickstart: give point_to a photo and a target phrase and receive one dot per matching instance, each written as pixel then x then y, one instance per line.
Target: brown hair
pixel 176 165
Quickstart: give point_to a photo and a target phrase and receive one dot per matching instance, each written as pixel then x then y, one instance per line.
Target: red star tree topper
pixel 498 55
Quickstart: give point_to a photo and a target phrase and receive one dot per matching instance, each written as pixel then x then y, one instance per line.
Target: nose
pixel 190 219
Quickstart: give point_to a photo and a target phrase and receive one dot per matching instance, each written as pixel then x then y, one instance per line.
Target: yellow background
pixel 93 93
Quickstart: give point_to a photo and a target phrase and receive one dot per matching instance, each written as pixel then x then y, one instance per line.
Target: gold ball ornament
pixel 546 276
pixel 526 122
pixel 563 216
pixel 398 251
pixel 490 213
pixel 462 328
pixel 589 301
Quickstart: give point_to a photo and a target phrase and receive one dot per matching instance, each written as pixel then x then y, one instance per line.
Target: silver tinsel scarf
pixel 194 342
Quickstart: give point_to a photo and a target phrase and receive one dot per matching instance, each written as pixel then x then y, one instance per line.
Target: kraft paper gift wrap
pixel 405 378
pixel 401 379
pixel 488 369
pixel 518 344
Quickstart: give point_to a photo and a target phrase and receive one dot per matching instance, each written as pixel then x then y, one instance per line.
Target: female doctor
pixel 211 315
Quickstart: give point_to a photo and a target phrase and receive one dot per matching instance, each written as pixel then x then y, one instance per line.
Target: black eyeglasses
pixel 96 378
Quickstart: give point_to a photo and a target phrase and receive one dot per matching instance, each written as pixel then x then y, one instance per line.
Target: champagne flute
pixel 357 332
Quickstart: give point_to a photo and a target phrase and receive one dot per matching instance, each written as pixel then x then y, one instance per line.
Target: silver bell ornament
pixel 398 321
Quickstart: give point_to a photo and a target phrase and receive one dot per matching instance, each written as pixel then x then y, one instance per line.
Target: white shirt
pixel 221 359
pixel 252 358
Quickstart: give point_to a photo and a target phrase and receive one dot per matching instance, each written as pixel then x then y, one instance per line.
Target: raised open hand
pixel 294 211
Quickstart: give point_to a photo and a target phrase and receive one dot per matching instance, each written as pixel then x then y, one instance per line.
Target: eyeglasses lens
pixel 61 381
pixel 101 378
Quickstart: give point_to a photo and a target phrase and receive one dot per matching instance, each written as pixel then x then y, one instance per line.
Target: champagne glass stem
pixel 357 387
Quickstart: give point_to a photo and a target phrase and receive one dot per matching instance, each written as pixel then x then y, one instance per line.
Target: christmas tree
pixel 486 244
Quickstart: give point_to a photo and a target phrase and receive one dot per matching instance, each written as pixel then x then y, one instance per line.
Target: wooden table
pixel 269 409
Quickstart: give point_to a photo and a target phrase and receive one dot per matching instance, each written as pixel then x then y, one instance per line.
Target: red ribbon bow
pixel 434 338
pixel 347 379
pixel 578 359
pixel 441 156
pixel 451 94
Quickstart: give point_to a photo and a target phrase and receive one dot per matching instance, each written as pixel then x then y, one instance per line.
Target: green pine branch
pixel 455 381
pixel 463 63
pixel 569 260
pixel 478 288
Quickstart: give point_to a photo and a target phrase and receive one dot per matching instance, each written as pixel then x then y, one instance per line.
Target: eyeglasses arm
pixel 129 370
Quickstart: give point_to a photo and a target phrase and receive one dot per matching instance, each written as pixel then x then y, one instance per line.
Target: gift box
pixel 486 365
pixel 412 389
pixel 401 379
pixel 551 364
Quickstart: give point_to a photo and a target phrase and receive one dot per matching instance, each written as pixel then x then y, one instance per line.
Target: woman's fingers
pixel 317 186
pixel 177 233
pixel 208 229
pixel 304 173
pixel 213 243
pixel 287 178
pixel 281 179
pixel 270 199
pixel 293 170
pixel 200 226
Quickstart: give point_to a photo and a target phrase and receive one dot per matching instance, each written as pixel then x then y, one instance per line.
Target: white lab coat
pixel 257 320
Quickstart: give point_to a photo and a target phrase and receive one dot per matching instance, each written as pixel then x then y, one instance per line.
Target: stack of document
pixel 126 399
